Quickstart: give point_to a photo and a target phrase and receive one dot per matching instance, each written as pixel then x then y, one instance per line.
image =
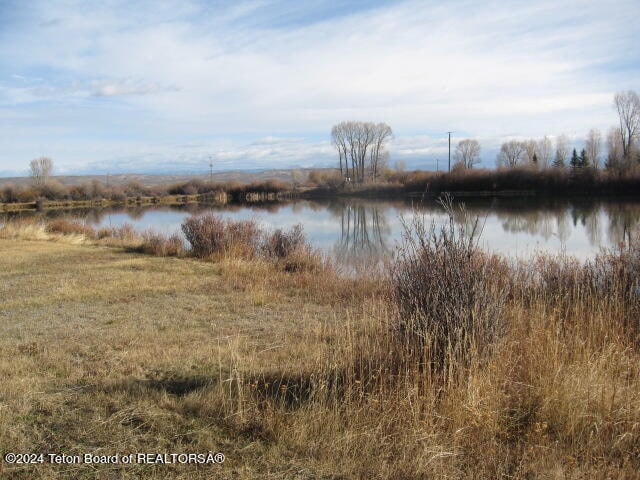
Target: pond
pixel 354 231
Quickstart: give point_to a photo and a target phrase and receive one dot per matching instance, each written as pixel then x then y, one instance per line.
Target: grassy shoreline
pixel 297 374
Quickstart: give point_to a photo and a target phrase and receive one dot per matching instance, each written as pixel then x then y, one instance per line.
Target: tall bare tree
pixel 382 133
pixel 339 142
pixel 562 151
pixel 544 151
pixel 40 170
pixel 615 157
pixel 511 153
pixel 593 147
pixel 530 151
pixel 467 153
pixel 628 106
pixel 360 146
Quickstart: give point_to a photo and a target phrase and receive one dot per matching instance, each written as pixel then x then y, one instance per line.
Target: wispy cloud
pixel 94 82
pixel 111 88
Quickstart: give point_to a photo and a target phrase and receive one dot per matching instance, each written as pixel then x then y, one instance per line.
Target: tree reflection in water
pixel 622 219
pixel 359 233
pixel 364 234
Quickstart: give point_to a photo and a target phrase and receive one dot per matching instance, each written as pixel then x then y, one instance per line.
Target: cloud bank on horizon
pixel 152 86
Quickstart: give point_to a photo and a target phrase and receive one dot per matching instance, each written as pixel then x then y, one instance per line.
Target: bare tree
pixel 360 146
pixel 530 151
pixel 382 133
pixel 562 151
pixel 628 106
pixel 467 153
pixel 383 161
pixel 339 142
pixel 615 159
pixel 296 178
pixel 40 170
pixel 511 153
pixel 593 147
pixel 544 151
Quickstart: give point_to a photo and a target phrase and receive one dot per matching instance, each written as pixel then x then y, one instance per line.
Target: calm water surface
pixel 354 230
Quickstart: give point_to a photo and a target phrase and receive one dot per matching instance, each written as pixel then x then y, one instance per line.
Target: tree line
pixel 620 146
pixel 362 153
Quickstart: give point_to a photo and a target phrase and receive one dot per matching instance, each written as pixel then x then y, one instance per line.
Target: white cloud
pixel 111 88
pixel 234 81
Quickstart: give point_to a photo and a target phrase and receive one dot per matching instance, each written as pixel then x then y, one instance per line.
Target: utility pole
pixel 449 150
pixel 211 168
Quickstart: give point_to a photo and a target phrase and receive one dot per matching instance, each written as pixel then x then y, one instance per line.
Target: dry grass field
pixel 307 374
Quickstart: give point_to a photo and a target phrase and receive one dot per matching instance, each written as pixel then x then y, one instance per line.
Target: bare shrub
pixel 66 227
pixel 204 234
pixel 449 295
pixel 161 245
pixel 326 178
pixel 281 244
pixel 125 232
pixel 52 190
pixel 291 250
pixel 209 234
pixel 9 193
pixel 105 232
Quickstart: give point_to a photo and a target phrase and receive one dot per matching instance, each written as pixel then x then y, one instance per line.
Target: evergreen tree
pixel 575 161
pixel 584 159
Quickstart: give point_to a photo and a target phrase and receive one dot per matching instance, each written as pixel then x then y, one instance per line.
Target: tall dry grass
pixel 454 365
pixel 70 231
pixel 528 370
pixel 161 245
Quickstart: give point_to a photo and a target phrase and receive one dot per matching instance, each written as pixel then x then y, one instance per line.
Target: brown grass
pixel 303 375
pixel 161 245
pixel 67 227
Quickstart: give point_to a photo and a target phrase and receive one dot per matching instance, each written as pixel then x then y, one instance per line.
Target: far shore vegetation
pixel 608 165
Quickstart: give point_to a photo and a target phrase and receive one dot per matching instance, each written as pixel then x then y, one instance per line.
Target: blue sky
pixel 154 86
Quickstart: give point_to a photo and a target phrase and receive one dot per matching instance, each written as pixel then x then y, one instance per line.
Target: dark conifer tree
pixel 575 161
pixel 583 159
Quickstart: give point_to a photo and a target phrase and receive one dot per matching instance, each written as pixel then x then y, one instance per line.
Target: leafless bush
pixel 66 227
pixel 209 234
pixel 10 193
pixel 124 232
pixel 161 245
pixel 450 296
pixel 326 178
pixel 105 232
pixel 281 244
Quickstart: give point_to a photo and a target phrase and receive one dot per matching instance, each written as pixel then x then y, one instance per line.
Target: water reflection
pixel 364 234
pixel 357 232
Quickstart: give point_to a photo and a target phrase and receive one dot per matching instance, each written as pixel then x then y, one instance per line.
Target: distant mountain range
pixel 244 176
